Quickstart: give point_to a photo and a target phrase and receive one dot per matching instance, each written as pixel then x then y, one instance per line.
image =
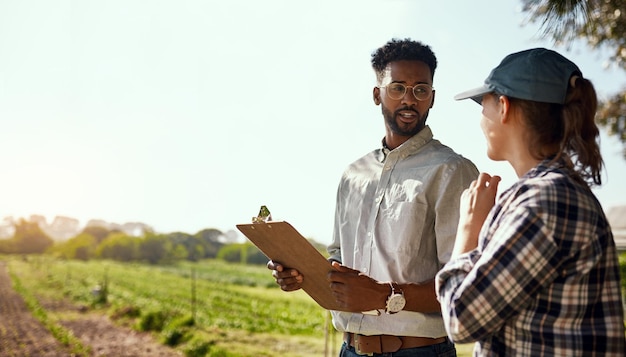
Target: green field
pixel 237 309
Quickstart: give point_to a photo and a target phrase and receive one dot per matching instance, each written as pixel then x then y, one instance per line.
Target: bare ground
pixel 22 335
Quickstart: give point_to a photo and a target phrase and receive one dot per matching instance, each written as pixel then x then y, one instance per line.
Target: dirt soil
pixel 21 334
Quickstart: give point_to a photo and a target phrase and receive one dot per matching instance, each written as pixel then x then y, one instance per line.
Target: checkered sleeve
pixel 515 261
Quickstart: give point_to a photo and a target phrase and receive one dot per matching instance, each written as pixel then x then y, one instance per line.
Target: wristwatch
pixel 396 300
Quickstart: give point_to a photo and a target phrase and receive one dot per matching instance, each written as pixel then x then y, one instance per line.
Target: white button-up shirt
pixel 396 218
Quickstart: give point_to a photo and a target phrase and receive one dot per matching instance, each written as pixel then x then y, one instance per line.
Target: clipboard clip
pixel 264 216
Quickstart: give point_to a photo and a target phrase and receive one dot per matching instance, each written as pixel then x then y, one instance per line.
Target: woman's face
pixel 491 126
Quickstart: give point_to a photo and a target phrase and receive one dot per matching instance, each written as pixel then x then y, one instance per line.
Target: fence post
pixel 193 294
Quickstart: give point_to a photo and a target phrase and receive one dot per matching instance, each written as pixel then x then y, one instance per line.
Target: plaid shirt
pixel 544 279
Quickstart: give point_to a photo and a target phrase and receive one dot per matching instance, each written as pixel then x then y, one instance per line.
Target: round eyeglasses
pixel 396 91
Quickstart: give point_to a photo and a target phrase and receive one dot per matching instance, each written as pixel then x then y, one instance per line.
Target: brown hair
pixel 567 131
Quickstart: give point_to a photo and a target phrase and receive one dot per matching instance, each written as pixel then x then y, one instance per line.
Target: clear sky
pixel 189 114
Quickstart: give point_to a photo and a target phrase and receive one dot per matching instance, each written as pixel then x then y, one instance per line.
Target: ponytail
pixel 580 132
pixel 567 131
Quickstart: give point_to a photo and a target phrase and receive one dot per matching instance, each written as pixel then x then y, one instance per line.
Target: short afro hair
pixel 402 50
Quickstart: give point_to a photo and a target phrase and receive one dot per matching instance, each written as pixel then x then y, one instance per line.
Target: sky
pixel 187 115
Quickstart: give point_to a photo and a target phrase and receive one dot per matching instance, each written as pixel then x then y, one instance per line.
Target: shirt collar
pixel 545 166
pixel 409 147
pixel 542 168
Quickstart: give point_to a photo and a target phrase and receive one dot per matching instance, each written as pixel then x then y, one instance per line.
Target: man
pixel 396 218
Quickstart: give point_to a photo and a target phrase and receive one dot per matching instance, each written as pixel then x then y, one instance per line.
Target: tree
pixel 245 253
pixel 82 246
pixel 602 24
pixel 29 238
pixel 118 246
pixel 155 248
pixel 185 242
pixel 210 240
pixel 98 232
pixel 7 246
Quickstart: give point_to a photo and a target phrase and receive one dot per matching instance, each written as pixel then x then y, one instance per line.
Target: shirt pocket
pixel 400 227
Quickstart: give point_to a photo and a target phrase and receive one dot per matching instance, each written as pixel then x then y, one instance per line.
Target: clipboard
pixel 282 243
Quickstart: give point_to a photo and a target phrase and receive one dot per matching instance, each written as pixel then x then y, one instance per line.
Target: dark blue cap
pixel 537 74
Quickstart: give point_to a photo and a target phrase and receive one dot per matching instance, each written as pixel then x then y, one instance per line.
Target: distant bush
pixel 152 321
pixel 178 330
pixel 127 311
pixel 245 253
pixel 120 247
pixel 27 239
pixel 182 321
pixel 81 247
pixel 198 348
pixel 174 336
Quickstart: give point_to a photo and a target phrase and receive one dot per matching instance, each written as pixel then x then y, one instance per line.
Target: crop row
pixel 230 304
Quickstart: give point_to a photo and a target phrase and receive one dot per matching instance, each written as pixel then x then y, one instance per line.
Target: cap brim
pixel 475 94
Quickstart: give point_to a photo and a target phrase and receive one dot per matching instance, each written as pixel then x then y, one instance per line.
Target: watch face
pixel 395 303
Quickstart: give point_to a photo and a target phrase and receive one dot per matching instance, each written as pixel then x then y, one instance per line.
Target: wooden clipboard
pixel 282 243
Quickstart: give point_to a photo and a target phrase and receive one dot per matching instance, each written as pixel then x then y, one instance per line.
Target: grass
pixel 237 309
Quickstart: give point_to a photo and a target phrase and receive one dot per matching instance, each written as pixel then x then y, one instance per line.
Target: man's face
pixel 407 115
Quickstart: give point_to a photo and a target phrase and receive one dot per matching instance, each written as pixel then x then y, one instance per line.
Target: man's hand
pixel 288 279
pixel 355 291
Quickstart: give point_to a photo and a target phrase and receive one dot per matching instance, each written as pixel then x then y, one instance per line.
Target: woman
pixel 535 273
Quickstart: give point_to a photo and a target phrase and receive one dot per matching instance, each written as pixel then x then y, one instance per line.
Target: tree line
pixel 95 242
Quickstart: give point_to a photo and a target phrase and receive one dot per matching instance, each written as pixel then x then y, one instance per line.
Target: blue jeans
pixel 444 349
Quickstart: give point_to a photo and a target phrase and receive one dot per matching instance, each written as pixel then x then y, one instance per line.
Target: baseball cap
pixel 537 74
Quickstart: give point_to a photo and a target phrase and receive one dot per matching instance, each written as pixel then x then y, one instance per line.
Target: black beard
pixel 390 120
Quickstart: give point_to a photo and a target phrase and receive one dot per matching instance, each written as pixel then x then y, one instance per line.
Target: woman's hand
pixel 476 203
